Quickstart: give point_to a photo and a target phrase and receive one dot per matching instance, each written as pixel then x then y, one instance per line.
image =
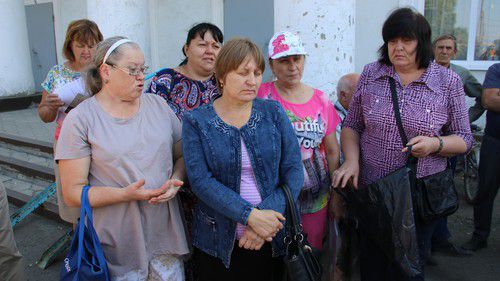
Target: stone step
pixel 26 169
pixel 21 188
pixel 29 157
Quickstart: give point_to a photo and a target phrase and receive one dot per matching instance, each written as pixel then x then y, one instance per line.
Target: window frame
pixel 470 63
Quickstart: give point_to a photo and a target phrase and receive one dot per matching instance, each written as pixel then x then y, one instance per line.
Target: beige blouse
pixel 123 151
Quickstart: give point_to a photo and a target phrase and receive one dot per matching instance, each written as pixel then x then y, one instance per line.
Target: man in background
pixel 345 90
pixel 445 49
pixel 489 166
pixel 347 263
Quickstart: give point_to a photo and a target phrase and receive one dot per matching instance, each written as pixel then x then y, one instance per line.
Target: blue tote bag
pixel 85 260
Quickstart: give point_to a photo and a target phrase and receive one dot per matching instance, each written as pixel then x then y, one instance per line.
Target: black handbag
pixel 301 262
pixel 384 212
pixel 434 196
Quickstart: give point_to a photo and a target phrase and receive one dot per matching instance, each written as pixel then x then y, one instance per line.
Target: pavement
pixel 33 236
pixel 36 232
pixel 484 265
pixel 26 123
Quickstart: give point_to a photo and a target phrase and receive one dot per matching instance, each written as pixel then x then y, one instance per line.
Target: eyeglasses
pixel 132 71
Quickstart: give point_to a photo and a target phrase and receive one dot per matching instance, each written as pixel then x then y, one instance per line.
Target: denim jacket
pixel 212 155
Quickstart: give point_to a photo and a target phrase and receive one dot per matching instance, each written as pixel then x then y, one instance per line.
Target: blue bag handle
pixel 81 225
pixel 86 213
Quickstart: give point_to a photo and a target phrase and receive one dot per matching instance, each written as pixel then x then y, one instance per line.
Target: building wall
pixel 16 76
pixel 340 36
pixel 173 21
pixel 254 20
pixel 327 29
pixel 370 18
pixel 65 11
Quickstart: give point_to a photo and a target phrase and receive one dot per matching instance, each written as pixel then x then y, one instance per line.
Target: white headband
pixel 113 47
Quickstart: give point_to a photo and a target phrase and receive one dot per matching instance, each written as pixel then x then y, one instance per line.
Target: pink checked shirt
pixel 432 105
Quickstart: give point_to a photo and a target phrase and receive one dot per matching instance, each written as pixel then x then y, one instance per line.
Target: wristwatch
pixel 441 144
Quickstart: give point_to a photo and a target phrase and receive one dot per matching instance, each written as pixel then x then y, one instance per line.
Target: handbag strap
pixel 412 161
pixel 292 225
pixel 397 113
pixel 81 224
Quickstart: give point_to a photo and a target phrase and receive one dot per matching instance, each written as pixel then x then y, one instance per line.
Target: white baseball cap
pixel 285 43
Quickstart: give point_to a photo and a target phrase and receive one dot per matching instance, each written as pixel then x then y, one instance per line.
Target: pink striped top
pixel 248 186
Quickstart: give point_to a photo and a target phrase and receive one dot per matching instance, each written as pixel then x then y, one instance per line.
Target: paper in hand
pixel 72 94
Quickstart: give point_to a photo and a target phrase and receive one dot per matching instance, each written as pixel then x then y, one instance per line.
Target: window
pixel 475 24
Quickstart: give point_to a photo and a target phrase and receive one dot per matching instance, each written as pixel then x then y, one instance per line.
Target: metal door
pixel 40 22
pixel 252 19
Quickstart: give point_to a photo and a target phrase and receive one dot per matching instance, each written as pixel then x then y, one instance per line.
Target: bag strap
pixel 292 224
pixel 397 113
pixel 81 224
pixel 412 161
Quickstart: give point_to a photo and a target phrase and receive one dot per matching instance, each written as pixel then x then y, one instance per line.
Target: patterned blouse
pixel 59 75
pixel 181 92
pixel 432 105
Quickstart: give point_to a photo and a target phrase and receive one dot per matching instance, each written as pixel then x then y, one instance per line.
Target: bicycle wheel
pixel 471 174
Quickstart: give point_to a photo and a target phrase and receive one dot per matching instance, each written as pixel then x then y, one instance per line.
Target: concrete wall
pixel 16 77
pixel 66 11
pixel 173 21
pixel 370 18
pixel 327 28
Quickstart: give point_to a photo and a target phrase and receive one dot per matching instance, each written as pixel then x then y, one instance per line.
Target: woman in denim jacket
pixel 238 151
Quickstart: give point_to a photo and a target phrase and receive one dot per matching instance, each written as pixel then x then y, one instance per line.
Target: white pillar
pixel 16 77
pixel 125 18
pixel 327 29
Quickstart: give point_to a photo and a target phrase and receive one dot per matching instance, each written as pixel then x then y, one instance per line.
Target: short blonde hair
pixel 82 31
pixel 232 55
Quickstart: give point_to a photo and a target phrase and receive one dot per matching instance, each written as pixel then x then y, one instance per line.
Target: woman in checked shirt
pixel 434 116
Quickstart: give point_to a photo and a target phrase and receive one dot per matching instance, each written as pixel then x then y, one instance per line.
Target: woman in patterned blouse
pixel 192 83
pixel 433 113
pixel 79 48
pixel 189 86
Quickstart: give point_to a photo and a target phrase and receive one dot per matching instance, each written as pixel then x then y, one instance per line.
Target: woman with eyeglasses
pixel 126 146
pixel 79 49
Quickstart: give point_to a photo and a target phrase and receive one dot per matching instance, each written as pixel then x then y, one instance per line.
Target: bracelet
pixel 441 144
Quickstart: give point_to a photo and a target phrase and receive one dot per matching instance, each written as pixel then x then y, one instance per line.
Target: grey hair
pixel 93 79
pixel 345 83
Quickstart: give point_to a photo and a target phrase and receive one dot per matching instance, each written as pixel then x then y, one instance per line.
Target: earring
pixel 221 85
pixel 106 81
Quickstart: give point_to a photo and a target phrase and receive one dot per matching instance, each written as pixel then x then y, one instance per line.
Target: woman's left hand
pixel 173 186
pixel 422 146
pixel 251 240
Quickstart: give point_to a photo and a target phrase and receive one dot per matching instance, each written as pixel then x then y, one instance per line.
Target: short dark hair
pixel 407 23
pixel 445 37
pixel 201 29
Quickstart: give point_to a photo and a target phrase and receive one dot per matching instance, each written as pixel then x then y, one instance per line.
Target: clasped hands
pixel 137 192
pixel 262 226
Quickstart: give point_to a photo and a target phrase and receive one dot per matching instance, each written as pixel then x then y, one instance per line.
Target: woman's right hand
pixel 266 223
pixel 251 240
pixel 52 101
pixel 349 170
pixel 136 191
